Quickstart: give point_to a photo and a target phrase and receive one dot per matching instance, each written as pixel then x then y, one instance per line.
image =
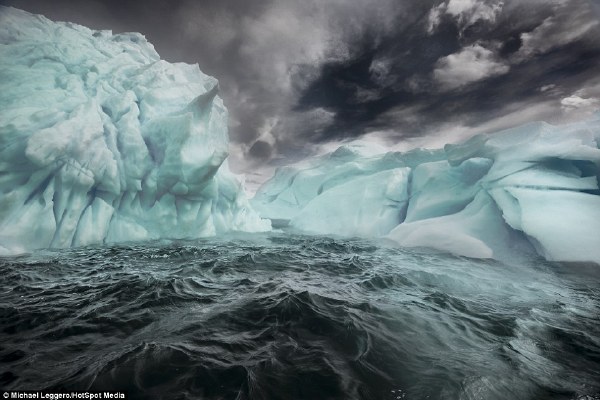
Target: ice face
pixel 293 187
pixel 531 189
pixel 369 205
pixel 102 141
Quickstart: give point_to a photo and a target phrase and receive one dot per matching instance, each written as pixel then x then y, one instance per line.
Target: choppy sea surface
pixel 276 316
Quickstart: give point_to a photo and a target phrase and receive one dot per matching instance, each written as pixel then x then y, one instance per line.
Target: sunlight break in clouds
pixel 467 12
pixel 470 64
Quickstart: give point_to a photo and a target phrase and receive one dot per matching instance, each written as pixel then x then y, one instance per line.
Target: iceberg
pixel 102 141
pixel 532 189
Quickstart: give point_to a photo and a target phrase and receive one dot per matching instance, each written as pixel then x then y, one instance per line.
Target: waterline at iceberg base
pixel 142 266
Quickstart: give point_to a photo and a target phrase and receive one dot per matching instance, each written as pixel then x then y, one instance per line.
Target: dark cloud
pixel 464 65
pixel 297 74
pixel 261 150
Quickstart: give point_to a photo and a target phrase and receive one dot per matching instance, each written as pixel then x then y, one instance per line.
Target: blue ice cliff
pixel 102 141
pixel 531 189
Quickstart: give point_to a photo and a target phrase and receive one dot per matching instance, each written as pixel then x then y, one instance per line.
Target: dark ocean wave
pixel 295 317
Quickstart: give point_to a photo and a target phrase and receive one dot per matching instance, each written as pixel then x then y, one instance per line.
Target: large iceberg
pixel 102 141
pixel 531 189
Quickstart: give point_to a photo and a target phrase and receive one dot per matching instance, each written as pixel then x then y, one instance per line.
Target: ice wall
pixel 102 141
pixel 534 188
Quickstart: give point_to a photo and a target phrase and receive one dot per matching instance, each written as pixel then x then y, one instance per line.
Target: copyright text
pixel 48 395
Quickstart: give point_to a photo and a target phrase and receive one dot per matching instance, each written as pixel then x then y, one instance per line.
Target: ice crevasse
pixel 102 141
pixel 533 189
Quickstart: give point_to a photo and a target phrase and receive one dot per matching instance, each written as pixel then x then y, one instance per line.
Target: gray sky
pixel 299 77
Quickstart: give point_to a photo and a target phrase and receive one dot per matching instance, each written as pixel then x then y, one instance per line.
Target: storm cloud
pixel 298 75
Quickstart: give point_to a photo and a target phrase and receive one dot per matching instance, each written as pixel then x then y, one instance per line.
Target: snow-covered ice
pixel 530 189
pixel 102 141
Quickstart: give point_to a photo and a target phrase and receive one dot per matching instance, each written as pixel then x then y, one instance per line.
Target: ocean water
pixel 282 316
